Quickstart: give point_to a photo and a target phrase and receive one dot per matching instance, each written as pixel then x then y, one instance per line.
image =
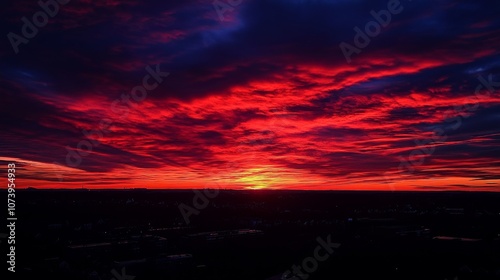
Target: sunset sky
pixel 259 95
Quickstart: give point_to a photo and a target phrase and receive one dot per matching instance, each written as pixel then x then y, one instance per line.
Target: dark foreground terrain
pixel 262 235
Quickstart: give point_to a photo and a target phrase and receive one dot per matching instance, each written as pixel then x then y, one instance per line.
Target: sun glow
pixel 259 178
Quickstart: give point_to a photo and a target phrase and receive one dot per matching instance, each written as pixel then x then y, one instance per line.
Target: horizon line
pixel 248 190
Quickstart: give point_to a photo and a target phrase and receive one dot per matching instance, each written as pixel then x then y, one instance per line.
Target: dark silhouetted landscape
pixel 82 234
